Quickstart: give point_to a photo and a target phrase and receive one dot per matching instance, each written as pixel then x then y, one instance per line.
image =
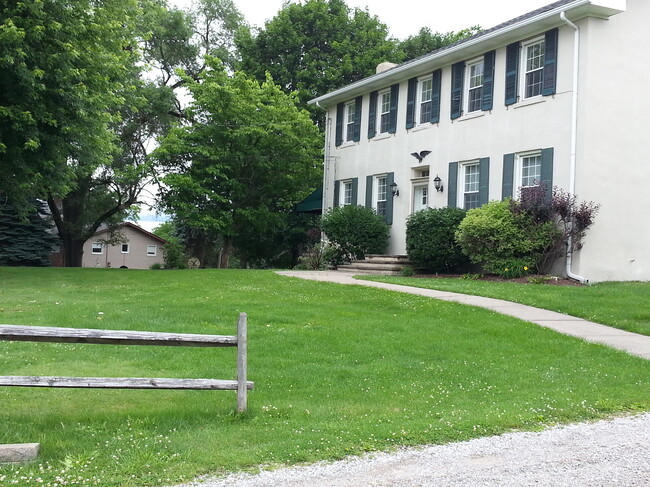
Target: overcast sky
pixel 406 17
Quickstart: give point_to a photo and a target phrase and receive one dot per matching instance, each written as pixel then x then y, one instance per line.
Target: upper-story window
pixel 425 94
pixel 533 72
pixel 382 116
pixel 475 71
pixel 531 68
pixel 350 121
pixel 384 112
pixel 423 100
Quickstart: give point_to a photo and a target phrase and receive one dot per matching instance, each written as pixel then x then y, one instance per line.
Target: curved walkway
pixel 632 343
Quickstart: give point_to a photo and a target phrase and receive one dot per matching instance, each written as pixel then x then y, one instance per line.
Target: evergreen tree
pixel 28 240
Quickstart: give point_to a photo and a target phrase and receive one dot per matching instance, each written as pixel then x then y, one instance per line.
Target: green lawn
pixel 624 305
pixel 338 370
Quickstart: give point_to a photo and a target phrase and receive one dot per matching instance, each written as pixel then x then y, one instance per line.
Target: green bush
pixel 494 235
pixel 174 256
pixel 354 231
pixel 430 240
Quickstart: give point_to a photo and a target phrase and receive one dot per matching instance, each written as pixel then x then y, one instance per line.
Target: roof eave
pixel 511 32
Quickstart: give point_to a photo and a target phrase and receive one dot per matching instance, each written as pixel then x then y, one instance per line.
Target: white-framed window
pixel 152 250
pixel 425 95
pixel 350 110
pixel 384 112
pixel 97 248
pixel 474 73
pixel 420 197
pixel 532 74
pixel 380 192
pixel 125 248
pixel 528 170
pixel 345 193
pixel 469 184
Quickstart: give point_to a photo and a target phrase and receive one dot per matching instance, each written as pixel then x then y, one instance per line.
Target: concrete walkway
pixel 632 343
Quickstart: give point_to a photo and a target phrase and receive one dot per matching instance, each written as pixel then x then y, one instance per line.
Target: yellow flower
pixel 525 268
pixel 506 269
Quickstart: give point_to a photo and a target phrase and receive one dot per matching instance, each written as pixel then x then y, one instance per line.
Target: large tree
pixel 246 159
pixel 316 46
pixel 103 191
pixel 63 66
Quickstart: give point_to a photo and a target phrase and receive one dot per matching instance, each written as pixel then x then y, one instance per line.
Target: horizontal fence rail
pixel 125 337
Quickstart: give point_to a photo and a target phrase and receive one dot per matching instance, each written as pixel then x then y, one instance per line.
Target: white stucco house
pixel 558 95
pixel 131 247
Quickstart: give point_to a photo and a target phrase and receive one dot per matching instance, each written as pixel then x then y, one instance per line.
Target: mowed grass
pixel 624 305
pixel 338 370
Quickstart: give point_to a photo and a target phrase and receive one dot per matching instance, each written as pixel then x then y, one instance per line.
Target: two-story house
pixel 558 95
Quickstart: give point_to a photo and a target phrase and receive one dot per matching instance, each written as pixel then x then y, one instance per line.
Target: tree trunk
pixel 226 252
pixel 73 249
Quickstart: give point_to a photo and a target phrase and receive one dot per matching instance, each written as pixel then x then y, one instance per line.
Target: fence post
pixel 242 380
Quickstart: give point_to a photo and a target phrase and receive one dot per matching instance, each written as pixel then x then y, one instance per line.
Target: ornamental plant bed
pixel 532 279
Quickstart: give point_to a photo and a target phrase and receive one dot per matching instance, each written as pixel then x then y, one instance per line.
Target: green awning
pixel 312 203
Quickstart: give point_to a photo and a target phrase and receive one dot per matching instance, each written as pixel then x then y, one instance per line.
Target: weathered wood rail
pixel 124 337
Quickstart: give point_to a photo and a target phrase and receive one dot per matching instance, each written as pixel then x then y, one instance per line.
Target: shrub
pixel 491 234
pixel 431 242
pixel 354 231
pixel 174 256
pixel 315 258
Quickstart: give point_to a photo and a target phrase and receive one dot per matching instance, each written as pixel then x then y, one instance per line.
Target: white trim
pixel 128 247
pixel 100 245
pixel 155 250
pixel 518 170
pixel 467 88
pixel 522 67
pixel 349 110
pixel 342 192
pixel 419 100
pixel 380 107
pixel 462 168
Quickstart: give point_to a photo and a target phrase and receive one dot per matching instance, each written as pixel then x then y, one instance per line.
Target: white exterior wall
pixel 613 156
pixel 520 127
pixel 112 255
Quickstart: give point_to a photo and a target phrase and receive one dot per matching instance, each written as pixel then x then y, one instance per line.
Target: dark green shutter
pixel 483 181
pixel 550 62
pixel 547 171
pixel 355 190
pixel 452 185
pixel 368 191
pixel 508 176
pixel 372 115
pixel 488 81
pixel 392 117
pixel 457 75
pixel 512 72
pixel 340 113
pixel 337 192
pixel 356 135
pixel 435 96
pixel 410 102
pixel 390 179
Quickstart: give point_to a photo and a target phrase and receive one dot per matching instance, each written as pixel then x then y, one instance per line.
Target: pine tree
pixel 28 240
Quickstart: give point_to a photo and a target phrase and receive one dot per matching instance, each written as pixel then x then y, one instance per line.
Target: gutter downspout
pixel 574 137
pixel 326 162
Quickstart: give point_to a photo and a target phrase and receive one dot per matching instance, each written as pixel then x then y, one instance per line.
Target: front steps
pixel 380 265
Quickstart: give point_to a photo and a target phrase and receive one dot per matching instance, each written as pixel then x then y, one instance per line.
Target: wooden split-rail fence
pixel 122 337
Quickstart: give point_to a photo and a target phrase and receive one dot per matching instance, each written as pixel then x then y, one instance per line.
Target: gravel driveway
pixel 606 453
